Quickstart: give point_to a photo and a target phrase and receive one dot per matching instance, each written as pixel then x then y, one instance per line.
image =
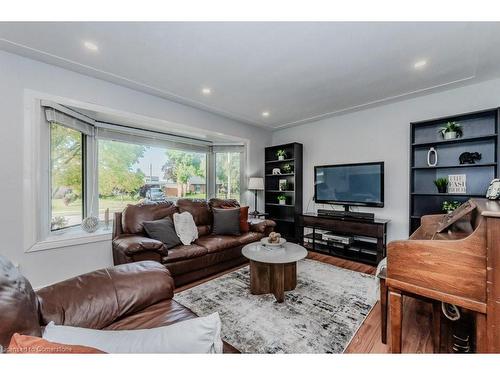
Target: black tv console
pixel 369 237
pixel 346 214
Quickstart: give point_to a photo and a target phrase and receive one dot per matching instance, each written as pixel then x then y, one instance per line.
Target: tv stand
pixel 367 237
pixel 346 214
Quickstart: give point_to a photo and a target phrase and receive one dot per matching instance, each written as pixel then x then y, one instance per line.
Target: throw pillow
pixel 244 225
pixel 185 227
pixel 162 230
pixel 23 344
pixel 198 335
pixel 226 221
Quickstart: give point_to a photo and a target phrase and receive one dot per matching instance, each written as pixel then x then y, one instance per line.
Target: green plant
pixel 281 153
pixel 287 168
pixel 281 197
pixel 441 184
pixel 451 126
pixel 450 206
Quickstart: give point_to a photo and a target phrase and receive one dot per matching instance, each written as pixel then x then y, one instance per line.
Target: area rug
pixel 321 315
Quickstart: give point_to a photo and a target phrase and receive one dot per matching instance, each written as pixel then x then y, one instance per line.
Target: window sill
pixel 71 237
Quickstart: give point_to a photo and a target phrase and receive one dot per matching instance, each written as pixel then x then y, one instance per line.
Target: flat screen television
pixel 350 184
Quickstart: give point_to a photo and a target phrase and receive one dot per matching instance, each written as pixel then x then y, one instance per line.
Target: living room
pixel 236 187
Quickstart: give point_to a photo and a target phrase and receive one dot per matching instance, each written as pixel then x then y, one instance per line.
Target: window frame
pixel 85 179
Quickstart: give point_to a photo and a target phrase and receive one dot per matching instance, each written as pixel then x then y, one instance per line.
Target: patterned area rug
pixel 320 316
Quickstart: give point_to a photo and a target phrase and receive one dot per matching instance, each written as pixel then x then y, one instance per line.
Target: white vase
pixel 281 157
pixel 432 154
pixel 450 135
pixel 282 202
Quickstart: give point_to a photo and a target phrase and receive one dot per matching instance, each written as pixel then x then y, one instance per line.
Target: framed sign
pixel 457 184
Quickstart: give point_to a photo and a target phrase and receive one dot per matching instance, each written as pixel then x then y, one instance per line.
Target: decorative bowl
pixel 265 242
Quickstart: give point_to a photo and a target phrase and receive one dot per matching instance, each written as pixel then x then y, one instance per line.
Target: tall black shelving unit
pixel 480 134
pixel 285 215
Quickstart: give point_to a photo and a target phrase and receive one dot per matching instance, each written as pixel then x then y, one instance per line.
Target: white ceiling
pixel 296 71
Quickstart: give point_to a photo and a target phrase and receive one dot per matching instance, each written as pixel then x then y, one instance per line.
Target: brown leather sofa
pixel 130 296
pixel 208 255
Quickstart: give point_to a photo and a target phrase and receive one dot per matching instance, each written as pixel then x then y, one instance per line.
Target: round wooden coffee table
pixel 273 270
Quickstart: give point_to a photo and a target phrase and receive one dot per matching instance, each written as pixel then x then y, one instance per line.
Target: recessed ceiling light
pixel 91 46
pixel 206 90
pixel 265 114
pixel 420 64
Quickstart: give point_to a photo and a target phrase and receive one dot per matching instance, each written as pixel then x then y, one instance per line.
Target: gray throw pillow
pixel 162 230
pixel 226 221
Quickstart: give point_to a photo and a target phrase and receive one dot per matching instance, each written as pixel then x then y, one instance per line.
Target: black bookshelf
pixel 285 215
pixel 480 134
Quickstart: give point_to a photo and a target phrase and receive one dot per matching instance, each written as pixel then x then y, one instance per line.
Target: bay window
pixel 96 167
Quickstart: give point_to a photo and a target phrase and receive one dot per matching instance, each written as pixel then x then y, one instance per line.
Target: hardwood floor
pixel 417 322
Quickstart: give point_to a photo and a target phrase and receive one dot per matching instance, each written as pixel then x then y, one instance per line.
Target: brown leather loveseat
pixel 130 296
pixel 208 255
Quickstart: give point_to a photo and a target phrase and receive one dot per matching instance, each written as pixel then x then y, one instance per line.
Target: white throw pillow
pixel 198 335
pixel 185 227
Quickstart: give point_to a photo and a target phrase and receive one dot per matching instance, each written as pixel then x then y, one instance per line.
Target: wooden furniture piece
pixel 384 307
pixel 460 266
pixel 284 214
pixel 273 270
pixel 480 134
pixel 369 237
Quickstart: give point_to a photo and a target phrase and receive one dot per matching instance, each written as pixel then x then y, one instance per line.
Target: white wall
pixel 383 134
pixel 18 74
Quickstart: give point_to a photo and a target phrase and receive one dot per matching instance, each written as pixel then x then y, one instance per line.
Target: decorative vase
pixel 450 135
pixel 281 157
pixel 282 201
pixel 432 157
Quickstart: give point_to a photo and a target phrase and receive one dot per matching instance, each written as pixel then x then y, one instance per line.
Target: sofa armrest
pixel 131 244
pixel 99 298
pixel 264 226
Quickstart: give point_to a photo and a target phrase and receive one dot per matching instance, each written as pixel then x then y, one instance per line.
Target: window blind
pixel 71 119
pixel 66 116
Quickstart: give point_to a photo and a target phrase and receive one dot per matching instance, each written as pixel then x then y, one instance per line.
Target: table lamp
pixel 255 184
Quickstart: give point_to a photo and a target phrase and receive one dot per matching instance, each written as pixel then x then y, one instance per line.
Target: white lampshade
pixel 256 183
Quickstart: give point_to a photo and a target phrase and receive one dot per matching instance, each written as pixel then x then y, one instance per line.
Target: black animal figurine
pixel 469 157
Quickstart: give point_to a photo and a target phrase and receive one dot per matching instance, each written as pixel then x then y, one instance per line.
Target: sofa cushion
pixel 131 244
pixel 183 252
pixel 97 299
pixel 244 225
pixel 134 215
pixel 197 335
pixel 214 243
pixel 226 221
pixel 185 227
pixel 198 208
pixel 223 203
pixel 163 230
pixel 23 344
pixel 160 314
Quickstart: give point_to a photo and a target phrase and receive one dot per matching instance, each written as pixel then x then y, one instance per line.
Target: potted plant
pixel 281 199
pixel 441 184
pixel 287 168
pixel 281 154
pixel 452 130
pixel 450 206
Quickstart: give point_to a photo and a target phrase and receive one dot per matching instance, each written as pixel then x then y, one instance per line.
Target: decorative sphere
pixel 90 224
